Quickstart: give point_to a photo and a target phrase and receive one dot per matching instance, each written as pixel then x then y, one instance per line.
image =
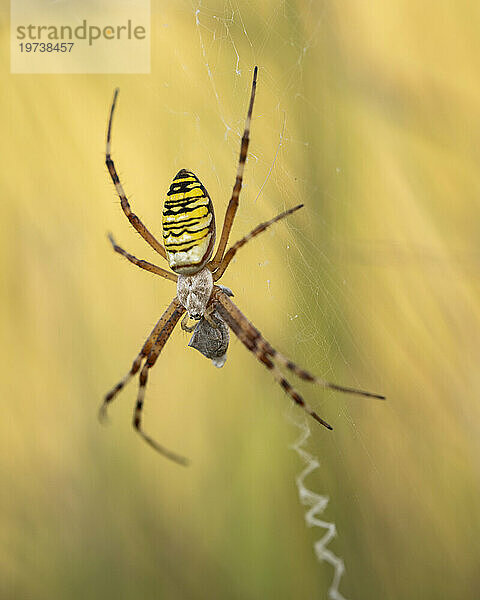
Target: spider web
pixel 228 48
pixel 317 503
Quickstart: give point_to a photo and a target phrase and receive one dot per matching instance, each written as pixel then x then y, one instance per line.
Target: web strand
pixel 317 503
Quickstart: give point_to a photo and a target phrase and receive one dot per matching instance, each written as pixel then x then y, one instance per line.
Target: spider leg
pixel 134 220
pixel 294 395
pixel 233 204
pixel 144 352
pixel 256 343
pixel 303 374
pixel 253 340
pixel 160 342
pixel 143 264
pixel 258 229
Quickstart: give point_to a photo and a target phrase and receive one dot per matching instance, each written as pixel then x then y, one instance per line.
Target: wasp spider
pixel 188 244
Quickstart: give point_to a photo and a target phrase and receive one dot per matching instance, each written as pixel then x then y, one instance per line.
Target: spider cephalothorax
pixel 194 292
pixel 189 238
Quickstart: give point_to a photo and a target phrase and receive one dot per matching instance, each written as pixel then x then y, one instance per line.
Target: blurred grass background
pixel 374 284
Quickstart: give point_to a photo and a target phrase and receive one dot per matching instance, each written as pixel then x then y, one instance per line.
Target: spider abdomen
pixel 188 224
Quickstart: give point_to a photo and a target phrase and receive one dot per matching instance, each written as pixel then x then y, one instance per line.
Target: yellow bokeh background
pixel 368 113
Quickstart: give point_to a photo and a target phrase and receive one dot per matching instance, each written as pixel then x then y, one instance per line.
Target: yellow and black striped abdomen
pixel 188 224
